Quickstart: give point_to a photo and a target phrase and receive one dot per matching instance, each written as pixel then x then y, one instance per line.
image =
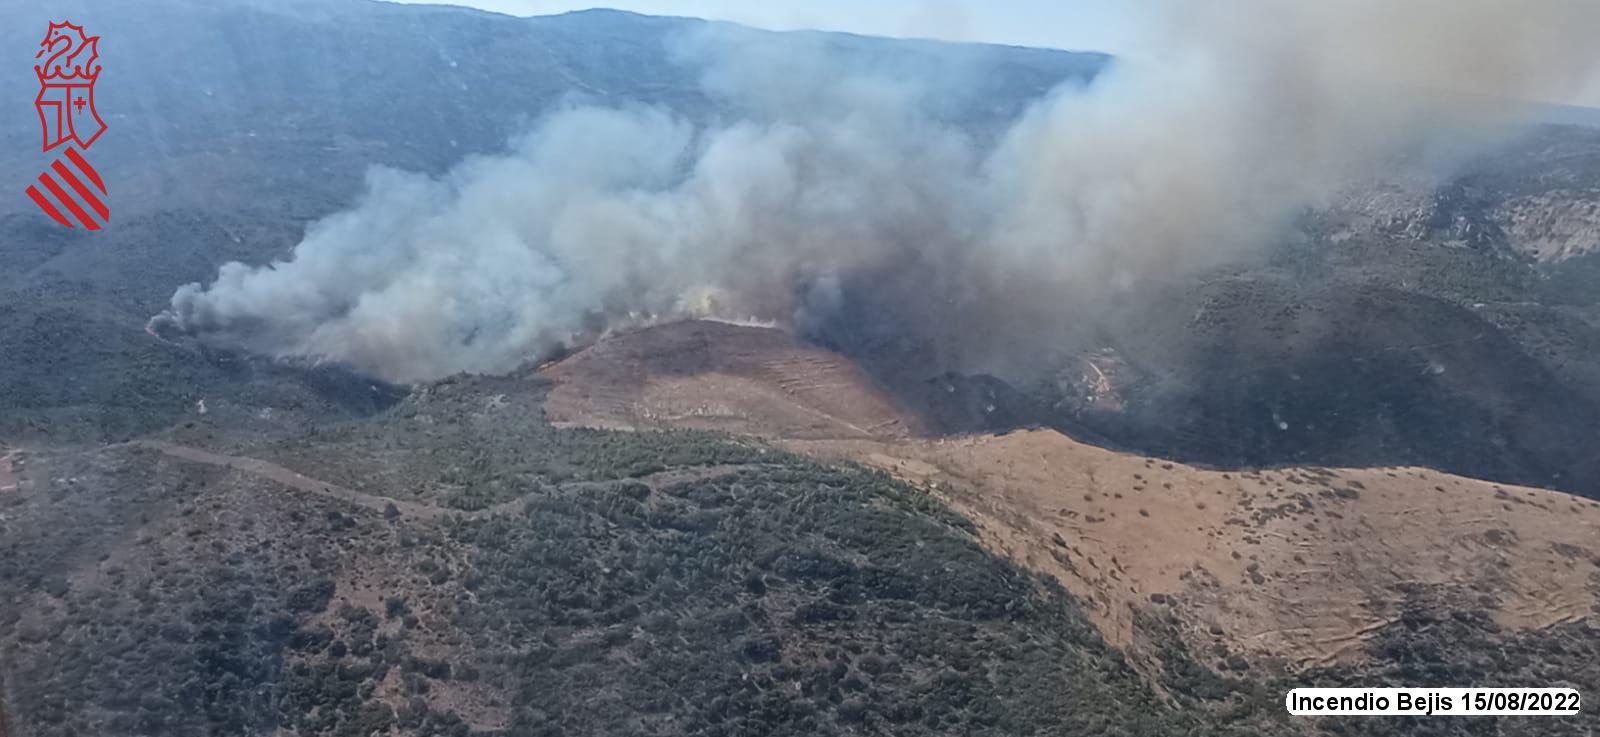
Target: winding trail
pixel 408 509
pixel 293 479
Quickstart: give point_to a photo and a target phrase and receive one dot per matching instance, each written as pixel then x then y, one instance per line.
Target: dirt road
pixel 293 479
pixel 407 509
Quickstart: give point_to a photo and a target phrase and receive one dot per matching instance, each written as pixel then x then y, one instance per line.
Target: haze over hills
pixel 230 137
pixel 229 113
pixel 255 144
pixel 1364 444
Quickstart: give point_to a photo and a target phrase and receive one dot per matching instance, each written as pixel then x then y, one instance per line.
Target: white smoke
pixel 1239 115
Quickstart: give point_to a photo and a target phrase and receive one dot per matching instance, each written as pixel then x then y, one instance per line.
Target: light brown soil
pixel 1299 563
pixel 719 376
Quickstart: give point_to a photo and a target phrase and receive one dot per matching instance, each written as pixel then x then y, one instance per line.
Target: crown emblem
pixel 69 56
pixel 70 191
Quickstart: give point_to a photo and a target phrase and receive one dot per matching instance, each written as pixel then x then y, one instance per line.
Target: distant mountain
pixel 223 103
pixel 769 537
pixel 1570 115
pixel 233 124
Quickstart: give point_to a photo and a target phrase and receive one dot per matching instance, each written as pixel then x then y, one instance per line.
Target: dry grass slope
pixel 1302 564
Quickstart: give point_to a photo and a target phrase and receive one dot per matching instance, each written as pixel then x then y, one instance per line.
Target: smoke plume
pixel 1233 118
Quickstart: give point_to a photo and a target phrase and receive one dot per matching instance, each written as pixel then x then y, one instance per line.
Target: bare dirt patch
pixel 719 376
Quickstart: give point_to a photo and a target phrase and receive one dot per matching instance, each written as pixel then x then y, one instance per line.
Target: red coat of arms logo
pixel 69 68
pixel 66 79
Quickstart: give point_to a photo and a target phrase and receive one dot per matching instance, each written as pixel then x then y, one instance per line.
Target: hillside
pixel 458 564
pixel 228 138
pixel 251 580
pixel 1361 456
pixel 1366 360
pixel 1535 198
pixel 1203 374
pixel 1300 565
pixel 717 376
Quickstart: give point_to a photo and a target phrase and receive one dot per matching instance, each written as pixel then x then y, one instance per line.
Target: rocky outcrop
pixel 1552 226
pixel 1538 198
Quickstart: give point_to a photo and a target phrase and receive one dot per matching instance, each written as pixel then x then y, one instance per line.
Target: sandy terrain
pixel 1299 563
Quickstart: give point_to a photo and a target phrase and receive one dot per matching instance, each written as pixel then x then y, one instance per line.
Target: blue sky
pixel 1098 25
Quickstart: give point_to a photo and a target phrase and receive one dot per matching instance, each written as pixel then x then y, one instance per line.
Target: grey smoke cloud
pixel 1241 114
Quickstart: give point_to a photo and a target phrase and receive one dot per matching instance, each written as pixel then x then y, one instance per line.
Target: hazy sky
pixel 1098 25
pixel 1087 25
